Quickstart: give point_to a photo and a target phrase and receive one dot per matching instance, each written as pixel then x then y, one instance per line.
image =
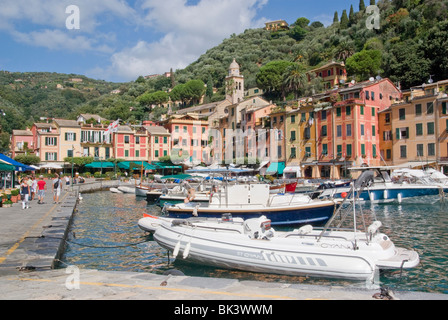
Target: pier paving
pixel 31 244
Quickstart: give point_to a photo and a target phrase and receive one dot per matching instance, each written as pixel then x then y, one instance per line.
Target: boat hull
pixel 140 191
pixel 265 256
pixel 153 196
pixel 315 214
pixel 391 195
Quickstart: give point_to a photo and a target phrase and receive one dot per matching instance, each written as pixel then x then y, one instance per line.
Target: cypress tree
pixel 372 2
pixel 362 5
pixel 344 20
pixel 336 17
pixel 351 16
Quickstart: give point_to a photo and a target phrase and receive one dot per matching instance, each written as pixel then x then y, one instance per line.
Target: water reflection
pixel 106 224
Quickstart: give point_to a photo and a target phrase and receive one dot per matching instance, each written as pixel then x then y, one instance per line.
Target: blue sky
pixel 119 40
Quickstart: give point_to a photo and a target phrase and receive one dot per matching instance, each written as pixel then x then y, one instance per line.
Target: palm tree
pixel 295 79
pixel 344 50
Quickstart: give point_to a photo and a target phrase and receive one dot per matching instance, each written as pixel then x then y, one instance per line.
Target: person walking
pixel 41 186
pixel 57 186
pixel 33 187
pixel 25 192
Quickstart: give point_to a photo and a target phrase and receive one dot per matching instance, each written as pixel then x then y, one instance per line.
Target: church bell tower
pixel 234 84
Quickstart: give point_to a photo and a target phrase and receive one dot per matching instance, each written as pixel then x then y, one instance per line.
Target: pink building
pixel 348 129
pixel 22 142
pixel 188 137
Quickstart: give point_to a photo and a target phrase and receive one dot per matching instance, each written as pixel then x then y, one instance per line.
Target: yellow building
pixel 69 139
pixel 277 25
pixel 332 74
pixel 308 154
pixel 419 127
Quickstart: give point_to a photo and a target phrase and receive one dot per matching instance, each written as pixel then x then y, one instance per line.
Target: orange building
pixel 332 74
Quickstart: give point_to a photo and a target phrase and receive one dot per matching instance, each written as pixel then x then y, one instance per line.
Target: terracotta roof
pixel 22 133
pixel 67 123
pixel 156 130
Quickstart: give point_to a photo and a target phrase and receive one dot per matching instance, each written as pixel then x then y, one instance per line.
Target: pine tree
pixel 372 2
pixel 344 20
pixel 362 5
pixel 336 17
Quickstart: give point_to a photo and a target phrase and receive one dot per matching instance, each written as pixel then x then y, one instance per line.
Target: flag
pixel 113 127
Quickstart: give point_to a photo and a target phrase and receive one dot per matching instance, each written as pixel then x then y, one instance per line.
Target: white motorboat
pixel 115 190
pixel 151 223
pixel 141 190
pixel 252 245
pixel 401 189
pixel 125 189
pixel 253 200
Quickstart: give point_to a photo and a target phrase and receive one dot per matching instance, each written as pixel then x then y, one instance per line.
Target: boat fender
pixel 187 250
pixel 373 228
pixel 305 229
pixel 195 211
pixel 176 249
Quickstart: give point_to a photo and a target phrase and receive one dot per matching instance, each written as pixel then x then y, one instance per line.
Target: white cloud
pixel 52 13
pixel 61 40
pixel 189 31
pixel 42 23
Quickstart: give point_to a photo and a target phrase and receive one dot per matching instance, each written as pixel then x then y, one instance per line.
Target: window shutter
pixel 66 136
pixel 398 134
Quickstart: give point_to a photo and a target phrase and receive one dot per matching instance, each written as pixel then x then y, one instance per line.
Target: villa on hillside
pixel 277 25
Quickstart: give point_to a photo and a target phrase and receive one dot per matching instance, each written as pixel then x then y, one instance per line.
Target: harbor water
pixel 105 236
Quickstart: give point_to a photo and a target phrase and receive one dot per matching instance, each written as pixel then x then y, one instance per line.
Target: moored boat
pixel 382 189
pixel 254 200
pixel 253 245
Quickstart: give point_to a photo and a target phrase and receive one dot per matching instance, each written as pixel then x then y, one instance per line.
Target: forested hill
pixel 412 42
pixel 409 46
pixel 25 97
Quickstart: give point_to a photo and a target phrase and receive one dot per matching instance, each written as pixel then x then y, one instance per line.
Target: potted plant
pixel 15 195
pixel 4 197
pixel 7 204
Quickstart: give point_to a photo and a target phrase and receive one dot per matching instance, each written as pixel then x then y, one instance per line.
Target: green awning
pixel 276 167
pixel 178 176
pixel 135 165
pixel 162 165
pixel 6 167
pixel 99 165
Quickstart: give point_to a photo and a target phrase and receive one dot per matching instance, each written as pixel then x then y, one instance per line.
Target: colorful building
pixel 159 142
pixel 189 137
pixel 419 127
pixel 69 139
pixel 46 138
pixel 22 141
pixel 332 74
pixel 355 123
